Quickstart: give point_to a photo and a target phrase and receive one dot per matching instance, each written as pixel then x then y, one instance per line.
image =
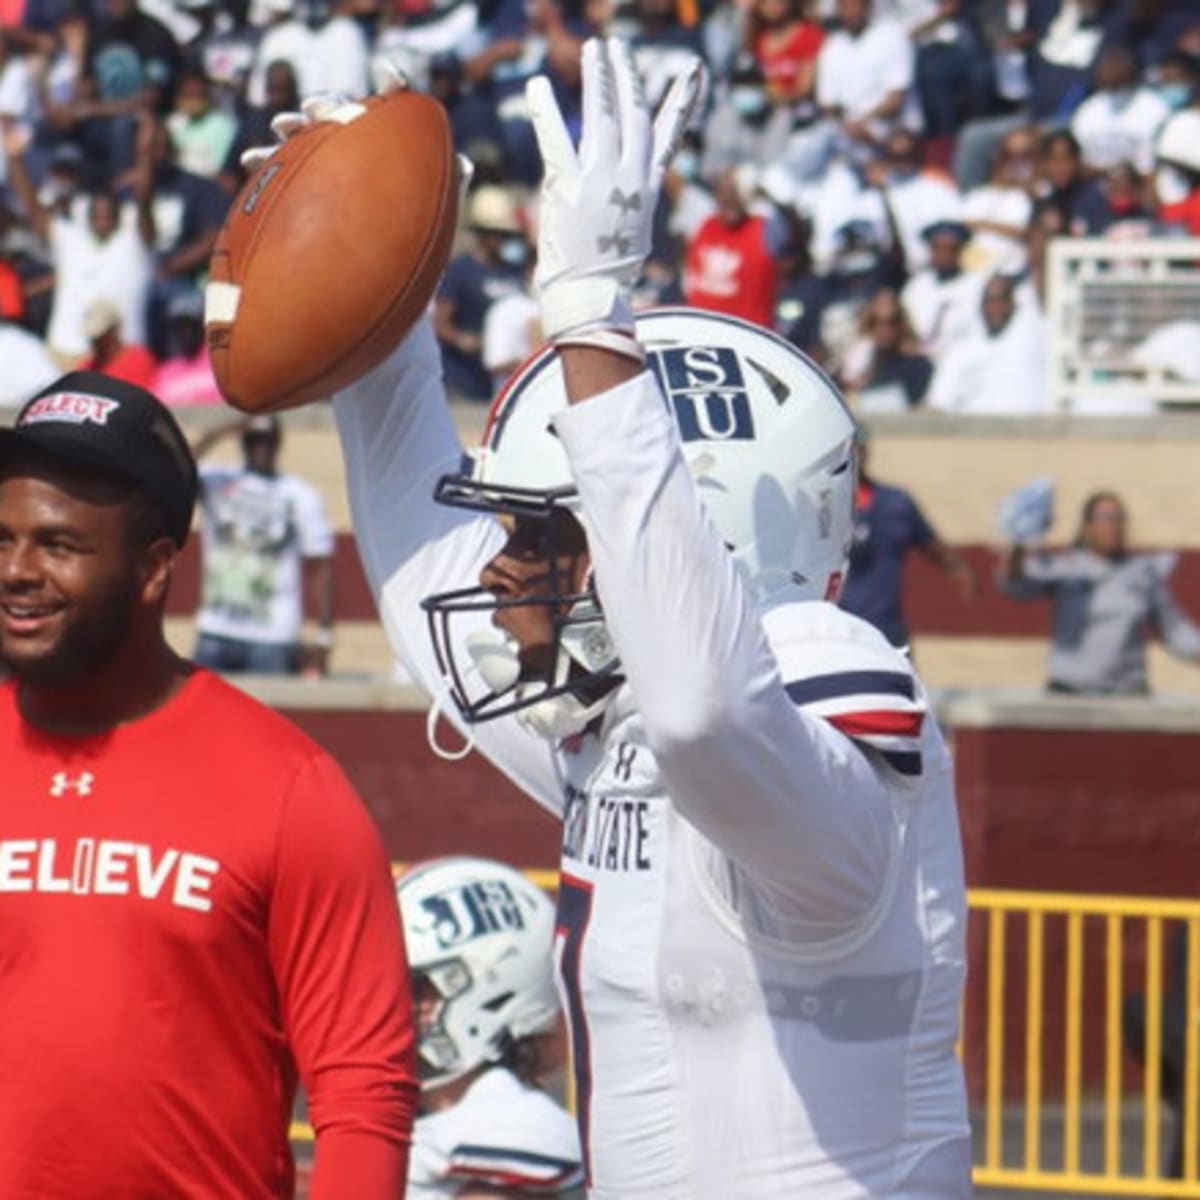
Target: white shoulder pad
pixel 838 667
pixel 514 1136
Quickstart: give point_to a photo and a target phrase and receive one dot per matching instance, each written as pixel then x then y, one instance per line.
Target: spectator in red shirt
pixel 785 45
pixel 12 289
pixel 731 265
pixel 110 355
pixel 195 908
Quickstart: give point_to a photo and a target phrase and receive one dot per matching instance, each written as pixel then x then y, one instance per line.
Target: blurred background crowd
pixel 878 180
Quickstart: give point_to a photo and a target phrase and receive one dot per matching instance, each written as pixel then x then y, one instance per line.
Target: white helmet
pixel 770 443
pixel 1179 140
pixel 481 934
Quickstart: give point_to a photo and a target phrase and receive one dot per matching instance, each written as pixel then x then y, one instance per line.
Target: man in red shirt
pixel 111 354
pixel 195 908
pixel 730 266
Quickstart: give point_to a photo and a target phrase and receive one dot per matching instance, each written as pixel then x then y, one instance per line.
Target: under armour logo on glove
pixel 608 181
pixel 80 784
pixel 627 202
pixel 616 243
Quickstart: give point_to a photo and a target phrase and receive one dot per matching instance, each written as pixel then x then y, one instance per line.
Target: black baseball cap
pixel 114 428
pixel 956 229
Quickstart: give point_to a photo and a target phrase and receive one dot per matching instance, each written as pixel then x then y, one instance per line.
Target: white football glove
pixel 597 203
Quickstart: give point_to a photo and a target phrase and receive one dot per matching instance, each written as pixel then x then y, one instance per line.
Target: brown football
pixel 331 252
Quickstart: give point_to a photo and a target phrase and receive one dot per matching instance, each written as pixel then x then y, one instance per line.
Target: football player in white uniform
pixel 628 592
pixel 479 939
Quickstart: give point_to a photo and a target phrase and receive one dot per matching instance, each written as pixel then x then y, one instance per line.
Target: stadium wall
pixel 957 468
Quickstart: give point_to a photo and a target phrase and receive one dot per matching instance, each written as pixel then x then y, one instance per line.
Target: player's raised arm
pixel 755 435
pixel 398 439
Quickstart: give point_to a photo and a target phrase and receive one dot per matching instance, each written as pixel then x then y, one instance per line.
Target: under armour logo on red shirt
pixel 80 784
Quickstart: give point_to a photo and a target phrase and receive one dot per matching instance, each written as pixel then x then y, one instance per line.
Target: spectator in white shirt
pixel 340 53
pixel 942 300
pixel 1000 368
pixel 109 256
pixel 18 93
pixel 744 126
pixel 917 198
pixel 997 212
pixel 289 39
pixel 1120 121
pixel 28 366
pixel 865 75
pixel 512 326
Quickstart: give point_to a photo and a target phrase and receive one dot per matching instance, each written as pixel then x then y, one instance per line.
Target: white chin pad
pixel 495 658
pixel 556 717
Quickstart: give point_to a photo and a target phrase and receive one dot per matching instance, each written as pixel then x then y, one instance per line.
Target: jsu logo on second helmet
pixel 462 914
pixel 707 389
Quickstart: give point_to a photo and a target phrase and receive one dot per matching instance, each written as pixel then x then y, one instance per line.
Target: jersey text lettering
pixel 619 836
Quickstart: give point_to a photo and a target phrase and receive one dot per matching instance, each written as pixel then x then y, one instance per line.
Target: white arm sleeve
pixel 776 789
pixel 398 440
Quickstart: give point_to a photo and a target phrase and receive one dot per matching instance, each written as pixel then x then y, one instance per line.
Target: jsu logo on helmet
pixel 707 389
pixel 461 914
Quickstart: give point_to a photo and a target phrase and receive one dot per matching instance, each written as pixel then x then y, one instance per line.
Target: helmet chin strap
pixel 445 753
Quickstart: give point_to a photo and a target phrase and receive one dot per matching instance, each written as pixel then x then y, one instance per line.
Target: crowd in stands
pixel 876 179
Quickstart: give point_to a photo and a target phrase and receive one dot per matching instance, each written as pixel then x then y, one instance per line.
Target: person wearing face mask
pixel 687 201
pixel 489 270
pixel 1120 120
pixel 512 328
pixel 1176 79
pixel 1177 179
pixel 744 127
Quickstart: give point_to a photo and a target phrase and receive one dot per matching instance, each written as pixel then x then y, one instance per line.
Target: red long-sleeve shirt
pixel 195 908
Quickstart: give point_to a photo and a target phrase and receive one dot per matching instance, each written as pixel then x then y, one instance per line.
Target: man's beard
pixel 89 643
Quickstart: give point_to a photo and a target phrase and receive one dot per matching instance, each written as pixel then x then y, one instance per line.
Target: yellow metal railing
pixel 1095 1164
pixel 1101 1153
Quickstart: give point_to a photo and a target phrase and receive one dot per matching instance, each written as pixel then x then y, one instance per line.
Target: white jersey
pixel 762 907
pixel 501 1133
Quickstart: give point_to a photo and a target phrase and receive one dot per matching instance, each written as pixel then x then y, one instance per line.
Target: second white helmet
pixel 480 934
